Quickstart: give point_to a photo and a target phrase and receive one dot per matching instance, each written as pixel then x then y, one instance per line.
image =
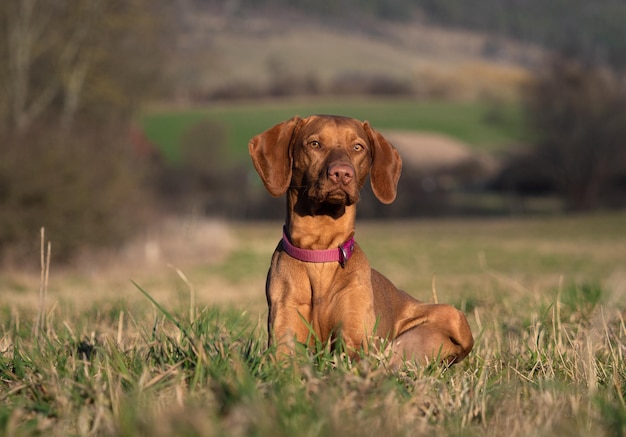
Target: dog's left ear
pixel 386 166
pixel 272 155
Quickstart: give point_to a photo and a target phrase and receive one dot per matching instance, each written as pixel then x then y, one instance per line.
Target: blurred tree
pixel 577 112
pixel 72 75
pixel 578 27
pixel 94 57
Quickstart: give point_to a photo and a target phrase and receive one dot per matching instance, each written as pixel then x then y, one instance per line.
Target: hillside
pixel 290 53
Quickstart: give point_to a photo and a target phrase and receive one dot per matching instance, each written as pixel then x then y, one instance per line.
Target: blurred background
pixel 118 115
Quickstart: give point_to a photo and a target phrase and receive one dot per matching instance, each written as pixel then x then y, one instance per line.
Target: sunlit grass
pixel 549 356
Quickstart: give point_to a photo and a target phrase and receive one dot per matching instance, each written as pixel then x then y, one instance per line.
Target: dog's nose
pixel 340 173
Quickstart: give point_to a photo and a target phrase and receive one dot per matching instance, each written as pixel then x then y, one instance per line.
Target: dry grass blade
pixel 43 287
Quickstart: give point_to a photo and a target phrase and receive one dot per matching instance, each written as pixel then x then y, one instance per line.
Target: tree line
pixel 581 28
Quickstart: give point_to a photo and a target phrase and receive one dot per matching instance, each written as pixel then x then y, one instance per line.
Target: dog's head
pixel 327 159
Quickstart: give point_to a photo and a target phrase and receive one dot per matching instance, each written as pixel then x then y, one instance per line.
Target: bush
pixel 577 113
pixel 82 185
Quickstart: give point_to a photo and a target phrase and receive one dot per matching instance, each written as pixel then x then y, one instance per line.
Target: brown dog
pixel 320 284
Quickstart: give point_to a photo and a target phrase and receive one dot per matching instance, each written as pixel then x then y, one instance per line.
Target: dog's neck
pixel 318 227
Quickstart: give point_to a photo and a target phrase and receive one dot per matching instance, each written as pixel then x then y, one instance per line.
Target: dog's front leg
pixel 288 324
pixel 352 318
pixel 290 309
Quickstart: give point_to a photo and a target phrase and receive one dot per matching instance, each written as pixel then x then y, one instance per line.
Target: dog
pixel 320 286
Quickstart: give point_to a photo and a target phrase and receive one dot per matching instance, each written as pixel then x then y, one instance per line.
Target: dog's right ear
pixel 272 155
pixel 386 166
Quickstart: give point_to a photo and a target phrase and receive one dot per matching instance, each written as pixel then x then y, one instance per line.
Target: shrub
pixel 82 185
pixel 577 113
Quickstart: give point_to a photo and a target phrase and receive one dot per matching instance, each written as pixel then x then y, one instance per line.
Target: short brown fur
pixel 321 163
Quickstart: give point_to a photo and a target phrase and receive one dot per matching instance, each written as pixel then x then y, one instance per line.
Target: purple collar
pixel 340 254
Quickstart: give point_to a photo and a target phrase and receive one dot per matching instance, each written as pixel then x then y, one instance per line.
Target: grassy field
pixel 480 124
pixel 546 299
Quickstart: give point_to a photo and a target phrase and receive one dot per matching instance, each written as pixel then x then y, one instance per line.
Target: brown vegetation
pixel 577 117
pixel 73 75
pixel 83 185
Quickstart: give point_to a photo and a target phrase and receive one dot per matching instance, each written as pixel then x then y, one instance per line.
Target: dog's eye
pixel 358 147
pixel 315 144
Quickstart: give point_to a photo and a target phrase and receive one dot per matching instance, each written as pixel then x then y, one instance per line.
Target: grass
pixel 481 124
pixel 544 297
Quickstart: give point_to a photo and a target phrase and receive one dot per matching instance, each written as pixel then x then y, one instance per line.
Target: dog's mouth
pixel 332 203
pixel 333 196
pixel 339 197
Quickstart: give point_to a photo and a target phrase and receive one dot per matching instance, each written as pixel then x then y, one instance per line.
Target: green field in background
pixel 484 125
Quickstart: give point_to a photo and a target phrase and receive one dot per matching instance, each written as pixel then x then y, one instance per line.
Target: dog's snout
pixel 341 173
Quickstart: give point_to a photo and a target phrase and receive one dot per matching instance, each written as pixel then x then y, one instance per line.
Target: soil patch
pixel 430 150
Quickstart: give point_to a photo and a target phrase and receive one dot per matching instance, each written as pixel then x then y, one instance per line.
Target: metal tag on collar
pixel 343 256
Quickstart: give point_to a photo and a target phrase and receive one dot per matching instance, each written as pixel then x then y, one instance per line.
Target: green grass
pixel 480 124
pixel 544 297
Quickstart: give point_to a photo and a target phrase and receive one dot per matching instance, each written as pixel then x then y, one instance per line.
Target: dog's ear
pixel 386 166
pixel 271 154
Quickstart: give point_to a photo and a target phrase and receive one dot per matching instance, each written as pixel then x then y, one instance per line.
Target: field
pixel 180 350
pixel 487 126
